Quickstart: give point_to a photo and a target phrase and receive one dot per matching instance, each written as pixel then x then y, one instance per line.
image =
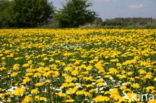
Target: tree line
pixel 135 22
pixel 33 13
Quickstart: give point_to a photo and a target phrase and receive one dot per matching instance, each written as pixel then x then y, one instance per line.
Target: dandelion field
pixel 77 65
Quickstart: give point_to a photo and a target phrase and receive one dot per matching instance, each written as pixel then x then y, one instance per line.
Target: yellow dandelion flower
pixel 2 68
pixel 27 99
pixel 135 85
pixel 114 60
pixel 37 75
pixel 61 94
pixel 80 92
pixel 43 99
pixel 113 70
pixel 92 91
pixel 14 74
pixel 72 90
pixel 149 88
pixel 39 98
pixel 55 74
pixel 39 84
pixel 141 71
pixel 34 91
pixel 26 65
pixel 101 98
pixel 19 91
pixel 75 72
pixel 16 67
pixel 69 101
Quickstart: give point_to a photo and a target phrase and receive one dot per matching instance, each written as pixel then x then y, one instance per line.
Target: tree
pixel 30 13
pixel 75 13
pixel 5 11
pixel 98 21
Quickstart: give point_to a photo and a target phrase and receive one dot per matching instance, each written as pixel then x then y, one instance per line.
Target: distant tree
pixel 30 13
pixel 98 21
pixel 75 13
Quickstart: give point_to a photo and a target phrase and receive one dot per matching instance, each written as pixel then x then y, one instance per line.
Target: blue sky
pixel 119 8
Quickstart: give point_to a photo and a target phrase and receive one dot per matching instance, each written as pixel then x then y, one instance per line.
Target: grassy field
pixel 77 66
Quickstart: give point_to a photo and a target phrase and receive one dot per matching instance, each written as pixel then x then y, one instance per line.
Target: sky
pixel 108 9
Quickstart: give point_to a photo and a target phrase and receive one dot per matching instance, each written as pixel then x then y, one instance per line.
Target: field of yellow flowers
pixel 77 66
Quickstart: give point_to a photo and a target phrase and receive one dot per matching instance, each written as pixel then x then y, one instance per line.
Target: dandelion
pixel 80 92
pixel 27 99
pixel 34 91
pixel 19 91
pixel 101 98
pixel 149 88
pixel 135 85
pixel 69 101
pixel 39 84
pixel 16 67
pixel 14 74
pixel 113 70
pixel 39 98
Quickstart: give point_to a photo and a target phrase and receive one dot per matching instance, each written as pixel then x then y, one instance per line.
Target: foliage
pixel 26 13
pixel 75 13
pixel 5 13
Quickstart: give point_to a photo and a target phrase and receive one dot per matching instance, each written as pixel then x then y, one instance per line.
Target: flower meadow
pixel 77 66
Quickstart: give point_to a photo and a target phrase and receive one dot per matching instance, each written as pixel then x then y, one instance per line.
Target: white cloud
pixel 136 6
